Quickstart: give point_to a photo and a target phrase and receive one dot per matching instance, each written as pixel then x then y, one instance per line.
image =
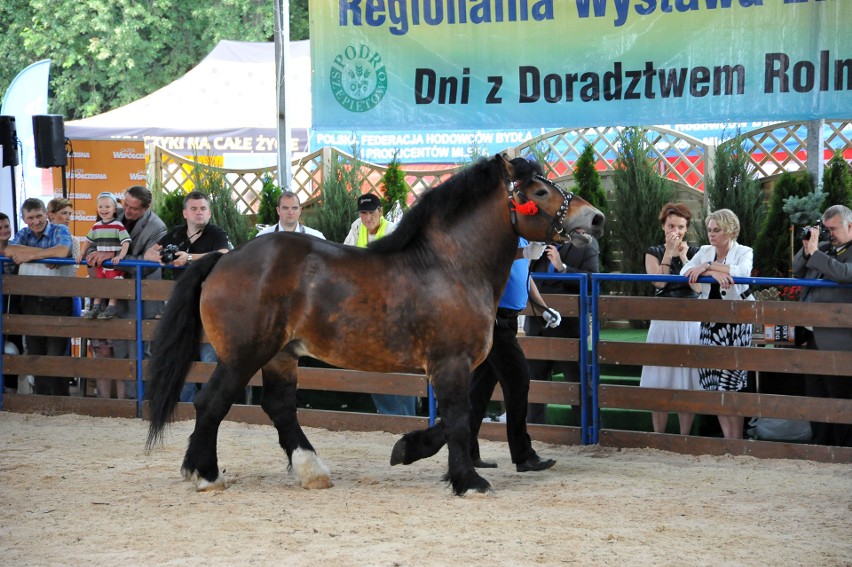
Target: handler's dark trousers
pixel 49 346
pixel 507 365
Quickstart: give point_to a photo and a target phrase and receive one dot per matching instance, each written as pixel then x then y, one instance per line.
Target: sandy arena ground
pixel 81 491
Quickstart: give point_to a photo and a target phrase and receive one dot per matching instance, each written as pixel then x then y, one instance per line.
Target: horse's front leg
pixel 279 402
pixel 451 383
pixel 211 406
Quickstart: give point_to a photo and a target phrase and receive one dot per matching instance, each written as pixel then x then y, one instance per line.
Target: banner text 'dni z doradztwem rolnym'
pixel 492 64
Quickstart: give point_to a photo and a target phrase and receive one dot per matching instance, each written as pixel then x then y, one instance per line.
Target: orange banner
pixel 97 166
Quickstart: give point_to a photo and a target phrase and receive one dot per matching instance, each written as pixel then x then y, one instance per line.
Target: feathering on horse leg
pixel 461 473
pixel 279 402
pixel 453 399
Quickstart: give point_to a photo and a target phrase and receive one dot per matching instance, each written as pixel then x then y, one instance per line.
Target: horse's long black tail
pixel 176 344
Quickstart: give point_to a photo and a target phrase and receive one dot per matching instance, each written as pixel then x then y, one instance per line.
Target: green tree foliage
pixel 224 211
pixel 772 248
pixel 169 207
pixel 394 186
pixel 589 187
pixel 638 196
pixel 837 182
pixel 804 211
pixel 269 195
pixel 107 53
pixel 338 206
pixel 733 186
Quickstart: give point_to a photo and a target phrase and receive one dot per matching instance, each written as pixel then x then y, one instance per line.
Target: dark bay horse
pixel 422 299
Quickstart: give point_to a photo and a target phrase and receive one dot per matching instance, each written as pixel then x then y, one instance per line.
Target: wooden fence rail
pixel 760 360
pixel 603 352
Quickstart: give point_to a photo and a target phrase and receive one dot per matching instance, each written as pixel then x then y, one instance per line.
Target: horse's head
pixel 542 211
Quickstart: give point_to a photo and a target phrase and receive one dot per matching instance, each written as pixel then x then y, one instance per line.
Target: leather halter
pixel 554 221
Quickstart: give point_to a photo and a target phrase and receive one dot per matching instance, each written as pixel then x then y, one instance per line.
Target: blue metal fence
pixel 139 264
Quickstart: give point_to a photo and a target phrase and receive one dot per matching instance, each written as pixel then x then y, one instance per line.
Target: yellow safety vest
pixel 362 233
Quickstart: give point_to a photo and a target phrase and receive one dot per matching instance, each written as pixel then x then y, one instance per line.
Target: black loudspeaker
pixel 49 134
pixel 9 140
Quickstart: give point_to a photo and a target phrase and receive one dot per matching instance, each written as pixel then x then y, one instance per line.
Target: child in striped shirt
pixel 107 235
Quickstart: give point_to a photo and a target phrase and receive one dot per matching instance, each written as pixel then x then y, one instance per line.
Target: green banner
pixel 495 64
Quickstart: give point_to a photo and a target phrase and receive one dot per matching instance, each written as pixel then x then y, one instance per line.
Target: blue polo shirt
pixel 517 292
pixel 53 235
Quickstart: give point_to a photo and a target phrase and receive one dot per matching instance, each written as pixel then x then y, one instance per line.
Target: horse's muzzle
pixel 591 223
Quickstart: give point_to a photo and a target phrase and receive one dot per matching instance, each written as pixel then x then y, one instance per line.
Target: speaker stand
pixel 17 215
pixel 64 184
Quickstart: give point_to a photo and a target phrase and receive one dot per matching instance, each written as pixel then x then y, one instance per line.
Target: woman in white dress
pixel 667 259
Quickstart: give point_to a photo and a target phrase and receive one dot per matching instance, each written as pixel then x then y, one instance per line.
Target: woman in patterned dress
pixel 723 260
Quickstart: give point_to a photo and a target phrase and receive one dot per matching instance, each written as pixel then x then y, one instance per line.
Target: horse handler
pixel 507 365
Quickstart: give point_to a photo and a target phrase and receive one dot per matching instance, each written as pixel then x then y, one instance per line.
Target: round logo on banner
pixel 359 80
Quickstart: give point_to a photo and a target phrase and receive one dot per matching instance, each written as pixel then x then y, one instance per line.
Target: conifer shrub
pixel 638 196
pixel 772 248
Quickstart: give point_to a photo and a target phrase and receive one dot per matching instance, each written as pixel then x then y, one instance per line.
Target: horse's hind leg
pixel 279 402
pixel 212 404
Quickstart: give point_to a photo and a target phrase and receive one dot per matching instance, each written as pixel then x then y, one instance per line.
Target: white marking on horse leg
pixel 474 493
pixel 205 485
pixel 311 471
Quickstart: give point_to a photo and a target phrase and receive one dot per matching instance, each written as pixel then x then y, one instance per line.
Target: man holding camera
pixel 188 242
pixel 831 260
pixel 185 244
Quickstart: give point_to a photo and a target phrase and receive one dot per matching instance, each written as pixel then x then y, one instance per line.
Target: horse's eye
pixel 541 193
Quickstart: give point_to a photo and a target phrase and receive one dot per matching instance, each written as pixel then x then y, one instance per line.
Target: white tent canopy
pixel 231 93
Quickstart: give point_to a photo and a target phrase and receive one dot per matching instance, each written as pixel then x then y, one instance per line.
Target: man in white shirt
pixel 289 211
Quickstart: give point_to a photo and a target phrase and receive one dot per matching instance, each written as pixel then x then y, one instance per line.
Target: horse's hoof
pixel 311 471
pixel 205 485
pixel 317 483
pixel 400 448
pixel 479 492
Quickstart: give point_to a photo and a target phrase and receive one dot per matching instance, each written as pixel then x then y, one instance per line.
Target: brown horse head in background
pixel 422 299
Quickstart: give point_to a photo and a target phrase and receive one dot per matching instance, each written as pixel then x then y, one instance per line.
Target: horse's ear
pixel 506 163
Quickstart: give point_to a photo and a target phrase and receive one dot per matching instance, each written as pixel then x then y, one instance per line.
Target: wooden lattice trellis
pixel 678 157
pixel 681 158
pixel 783 147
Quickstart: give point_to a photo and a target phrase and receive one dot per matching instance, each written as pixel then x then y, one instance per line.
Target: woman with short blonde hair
pixel 723 260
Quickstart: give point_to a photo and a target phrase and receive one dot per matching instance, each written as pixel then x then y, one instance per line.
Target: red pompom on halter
pixel 528 209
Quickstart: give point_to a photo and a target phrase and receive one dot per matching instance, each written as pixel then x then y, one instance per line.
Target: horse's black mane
pixel 453 199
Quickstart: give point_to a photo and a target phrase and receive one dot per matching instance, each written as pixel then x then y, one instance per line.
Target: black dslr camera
pixel 167 254
pixel 805 233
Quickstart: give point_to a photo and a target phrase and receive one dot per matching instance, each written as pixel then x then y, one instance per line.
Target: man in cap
pixel 369 226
